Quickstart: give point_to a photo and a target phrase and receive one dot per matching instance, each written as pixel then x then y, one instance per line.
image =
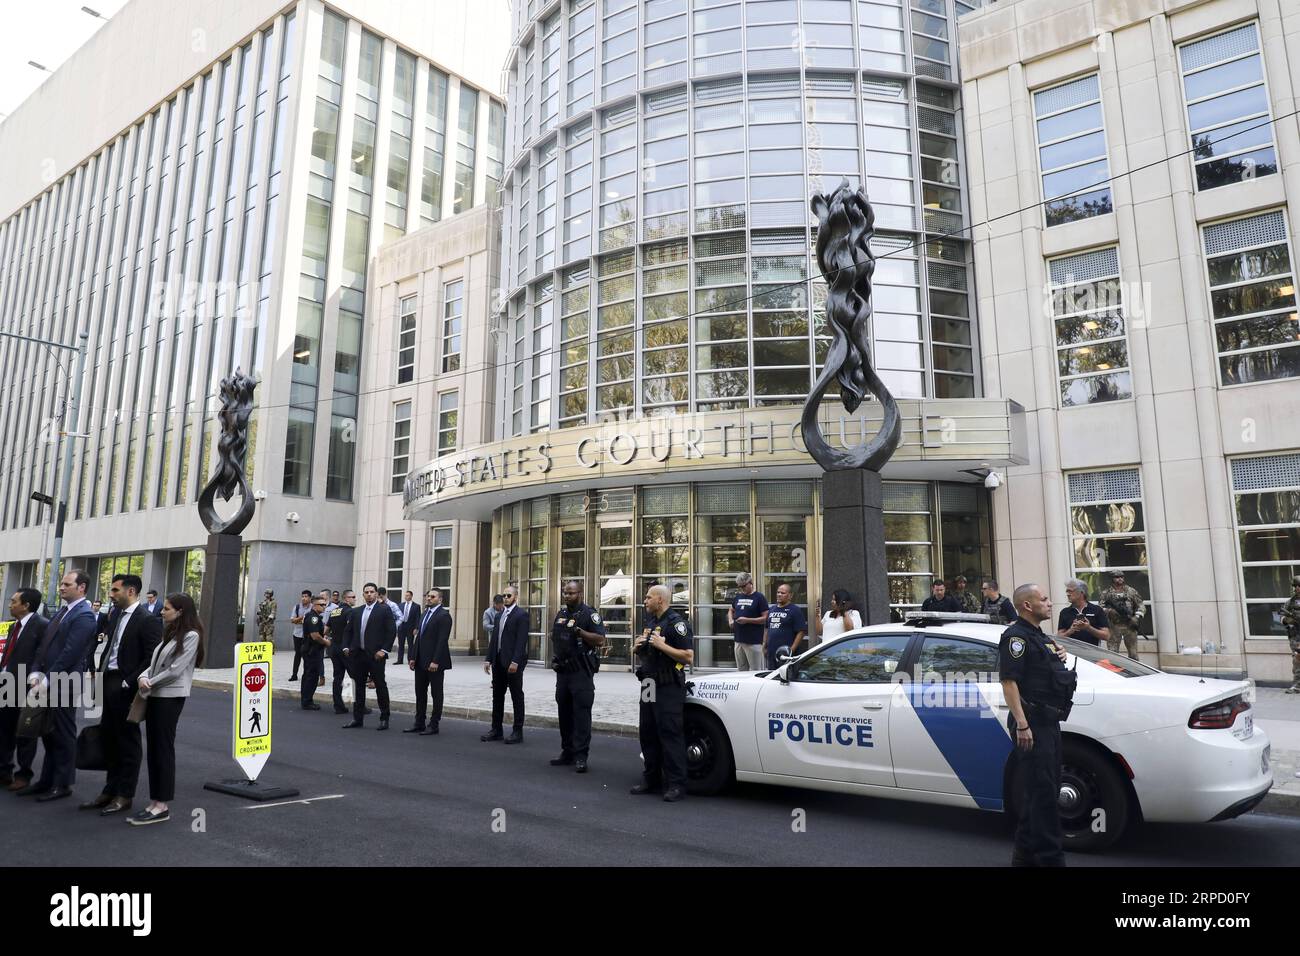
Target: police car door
pixel 831 720
pixel 948 737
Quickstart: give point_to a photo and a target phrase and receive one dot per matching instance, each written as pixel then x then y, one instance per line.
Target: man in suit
pixel 131 641
pixel 367 644
pixel 58 670
pixel 16 660
pixel 430 659
pixel 152 604
pixel 506 658
pixel 407 625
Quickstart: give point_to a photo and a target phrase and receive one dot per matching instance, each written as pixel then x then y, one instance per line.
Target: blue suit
pixel 68 641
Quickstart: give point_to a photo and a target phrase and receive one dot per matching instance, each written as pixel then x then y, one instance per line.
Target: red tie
pixel 9 645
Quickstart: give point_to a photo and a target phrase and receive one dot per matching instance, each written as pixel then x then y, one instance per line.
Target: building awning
pixel 942 439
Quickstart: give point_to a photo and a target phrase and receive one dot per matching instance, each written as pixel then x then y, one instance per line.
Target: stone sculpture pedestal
pixel 853 542
pixel 220 600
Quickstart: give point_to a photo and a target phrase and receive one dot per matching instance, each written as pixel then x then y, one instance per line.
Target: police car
pixel 915 711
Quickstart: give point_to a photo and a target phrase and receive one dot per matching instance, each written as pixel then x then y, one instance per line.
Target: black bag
pixel 90 749
pixel 35 721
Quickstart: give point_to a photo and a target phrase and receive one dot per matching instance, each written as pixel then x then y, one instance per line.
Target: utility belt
pixel 570 664
pixel 672 675
pixel 1057 711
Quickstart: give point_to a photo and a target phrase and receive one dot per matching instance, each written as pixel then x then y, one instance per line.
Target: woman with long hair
pixel 840 618
pixel 165 685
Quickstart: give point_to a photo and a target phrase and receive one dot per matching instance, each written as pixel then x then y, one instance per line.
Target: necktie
pixel 425 623
pixel 9 647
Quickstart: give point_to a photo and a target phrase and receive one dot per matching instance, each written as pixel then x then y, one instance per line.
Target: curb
pixel 1280 803
pixel 407 707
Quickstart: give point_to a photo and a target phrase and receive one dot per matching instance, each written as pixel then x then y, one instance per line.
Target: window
pixel 1088 315
pixel 540 364
pixel 1252 299
pixel 1108 533
pixel 949 657
pixel 575 325
pixel 1266 500
pixel 440 562
pixel 467 127
pixel 448 417
pixel 1227 108
pixel 396 562
pixel 453 309
pixel 401 445
pixel 909 542
pixel 406 340
pixel 435 146
pixel 863 660
pixel 1072 151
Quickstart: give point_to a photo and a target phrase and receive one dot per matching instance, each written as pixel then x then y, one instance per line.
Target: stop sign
pixel 255 680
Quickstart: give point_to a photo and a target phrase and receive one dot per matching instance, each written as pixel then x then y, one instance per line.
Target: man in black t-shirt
pixel 1081 619
pixel 939 600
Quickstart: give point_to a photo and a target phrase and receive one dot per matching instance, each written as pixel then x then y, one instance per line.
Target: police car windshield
pixel 1107 660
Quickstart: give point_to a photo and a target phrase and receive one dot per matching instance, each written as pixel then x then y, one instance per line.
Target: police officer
pixel 314 643
pixel 1124 609
pixel 577 632
pixel 1038 690
pixel 1291 621
pixel 335 627
pixel 663 650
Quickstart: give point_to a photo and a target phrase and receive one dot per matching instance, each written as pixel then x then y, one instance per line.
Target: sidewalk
pixel 467 693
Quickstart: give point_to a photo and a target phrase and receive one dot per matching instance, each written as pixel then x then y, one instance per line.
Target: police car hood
pixel 720 685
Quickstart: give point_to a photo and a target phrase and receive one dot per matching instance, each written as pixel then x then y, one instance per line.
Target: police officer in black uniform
pixel 1038 690
pixel 314 643
pixel 577 632
pixel 662 651
pixel 336 626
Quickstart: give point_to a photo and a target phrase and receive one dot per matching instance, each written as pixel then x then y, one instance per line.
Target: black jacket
pixel 381 629
pixel 23 653
pixel 510 638
pixel 947 603
pixel 142 634
pixel 432 642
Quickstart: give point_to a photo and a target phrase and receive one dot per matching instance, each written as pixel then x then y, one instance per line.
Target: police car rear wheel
pixel 1093 800
pixel 709 767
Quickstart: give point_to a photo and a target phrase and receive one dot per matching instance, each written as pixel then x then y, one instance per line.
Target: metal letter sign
pixel 252 737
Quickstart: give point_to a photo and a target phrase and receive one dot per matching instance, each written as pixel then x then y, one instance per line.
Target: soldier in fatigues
pixel 662 651
pixel 1291 621
pixel 1124 610
pixel 970 601
pixel 578 631
pixel 314 643
pixel 266 616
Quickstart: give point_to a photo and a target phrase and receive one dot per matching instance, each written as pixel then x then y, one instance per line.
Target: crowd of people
pixel 147 652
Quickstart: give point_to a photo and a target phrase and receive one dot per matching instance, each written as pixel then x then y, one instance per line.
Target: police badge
pixel 595 618
pixel 681 628
pixel 1017 647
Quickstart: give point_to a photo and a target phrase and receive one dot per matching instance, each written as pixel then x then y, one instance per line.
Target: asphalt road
pixel 404 800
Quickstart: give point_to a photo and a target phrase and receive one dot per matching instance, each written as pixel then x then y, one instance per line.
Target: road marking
pixel 286 803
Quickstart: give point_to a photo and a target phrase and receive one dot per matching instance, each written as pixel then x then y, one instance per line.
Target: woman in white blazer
pixel 164 686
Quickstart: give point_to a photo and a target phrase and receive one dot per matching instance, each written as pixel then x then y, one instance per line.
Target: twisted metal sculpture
pixel 846 223
pixel 232 446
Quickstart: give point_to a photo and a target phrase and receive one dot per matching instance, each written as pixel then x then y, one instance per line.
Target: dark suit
pixel 19 655
pixel 430 645
pixel 122 750
pixel 509 645
pixel 155 608
pixel 411 614
pixel 64 649
pixel 380 629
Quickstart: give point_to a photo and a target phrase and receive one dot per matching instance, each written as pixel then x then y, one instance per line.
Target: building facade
pixel 1138 166
pixel 662 318
pixel 215 201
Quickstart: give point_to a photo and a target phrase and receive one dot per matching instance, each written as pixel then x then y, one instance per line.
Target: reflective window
pixel 1266 502
pixel 1072 151
pixel 406 339
pixel 857 660
pixel 448 416
pixel 1108 533
pixel 401 458
pixel 1088 317
pixel 396 563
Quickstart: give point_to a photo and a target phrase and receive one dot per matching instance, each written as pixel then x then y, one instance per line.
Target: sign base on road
pixel 252 790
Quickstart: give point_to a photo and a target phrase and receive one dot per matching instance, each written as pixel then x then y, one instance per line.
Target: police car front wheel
pixel 709 766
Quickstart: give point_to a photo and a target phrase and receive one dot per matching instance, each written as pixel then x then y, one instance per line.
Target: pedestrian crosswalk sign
pixel 252 730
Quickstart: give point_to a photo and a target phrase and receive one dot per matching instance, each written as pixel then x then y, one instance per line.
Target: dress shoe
pixel 516 738
pixel 116 805
pixel 563 760
pixel 98 803
pixel 429 731
pixel 58 793
pixel 383 723
pixel 19 784
pixel 32 789
pixel 417 729
pixel 147 816
pixel 353 723
pixel 673 794
pixel 494 735
pixel 293 677
pixel 367 712
pixel 641 788
pixel 340 710
pixel 311 706
pixel 580 766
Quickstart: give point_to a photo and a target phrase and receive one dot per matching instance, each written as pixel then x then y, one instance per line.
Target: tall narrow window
pixel 1072 151
pixel 468 126
pixel 448 418
pixel 396 561
pixel 401 445
pixel 1108 533
pixel 453 311
pixel 435 147
pixel 406 340
pixel 1227 108
pixel 1088 315
pixel 440 564
pixel 1266 495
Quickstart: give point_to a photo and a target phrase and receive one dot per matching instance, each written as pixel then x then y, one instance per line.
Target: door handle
pixel 873 705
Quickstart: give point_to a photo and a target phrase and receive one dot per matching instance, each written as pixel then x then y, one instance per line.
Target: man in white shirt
pixel 406 625
pixel 299 612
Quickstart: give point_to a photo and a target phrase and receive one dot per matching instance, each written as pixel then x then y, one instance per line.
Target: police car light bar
pixel 931 618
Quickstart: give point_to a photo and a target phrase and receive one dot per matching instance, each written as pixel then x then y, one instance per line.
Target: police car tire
pixel 1092 773
pixel 703 729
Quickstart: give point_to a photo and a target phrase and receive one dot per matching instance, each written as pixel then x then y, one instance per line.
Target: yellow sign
pixel 252 731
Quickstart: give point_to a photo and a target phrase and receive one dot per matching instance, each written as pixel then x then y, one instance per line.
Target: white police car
pixel 915 712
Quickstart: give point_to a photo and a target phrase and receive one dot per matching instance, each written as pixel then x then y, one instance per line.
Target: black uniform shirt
pixel 1028 657
pixel 312 623
pixel 564 637
pixel 675 630
pixel 1092 613
pixel 945 603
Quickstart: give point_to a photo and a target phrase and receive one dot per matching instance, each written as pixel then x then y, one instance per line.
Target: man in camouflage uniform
pixel 1291 621
pixel 970 602
pixel 1124 610
pixel 266 616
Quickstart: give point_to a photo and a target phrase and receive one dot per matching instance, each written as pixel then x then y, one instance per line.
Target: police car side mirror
pixel 782 654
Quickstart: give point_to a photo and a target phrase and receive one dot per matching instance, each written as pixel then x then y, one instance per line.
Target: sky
pixel 48 32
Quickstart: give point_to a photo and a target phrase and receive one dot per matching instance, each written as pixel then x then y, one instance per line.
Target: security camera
pixel 259 495
pixel 293 517
pixel 992 480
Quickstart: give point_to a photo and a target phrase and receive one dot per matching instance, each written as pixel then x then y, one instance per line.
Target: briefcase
pixel 35 721
pixel 90 749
